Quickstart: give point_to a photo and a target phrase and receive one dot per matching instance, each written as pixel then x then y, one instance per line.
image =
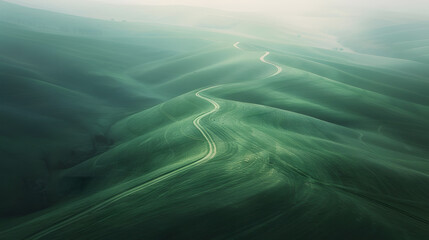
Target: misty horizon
pixel 197 119
pixel 267 6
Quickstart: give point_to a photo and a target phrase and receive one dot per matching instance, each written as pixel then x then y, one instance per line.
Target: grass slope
pixel 333 147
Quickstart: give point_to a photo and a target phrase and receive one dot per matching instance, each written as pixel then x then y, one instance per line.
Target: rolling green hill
pixel 132 130
pixel 405 39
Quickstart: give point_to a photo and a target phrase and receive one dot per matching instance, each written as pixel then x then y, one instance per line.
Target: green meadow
pixel 177 129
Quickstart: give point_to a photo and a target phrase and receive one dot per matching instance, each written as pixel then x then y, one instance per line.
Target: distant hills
pixel 99 141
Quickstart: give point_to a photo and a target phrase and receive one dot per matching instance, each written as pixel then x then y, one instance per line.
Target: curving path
pixel 203 131
pixel 262 58
pixel 279 69
pixel 236 45
pixel 210 155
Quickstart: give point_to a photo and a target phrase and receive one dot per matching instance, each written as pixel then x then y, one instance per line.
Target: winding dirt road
pixel 204 132
pixel 279 69
pixel 236 45
pixel 262 58
pixel 210 154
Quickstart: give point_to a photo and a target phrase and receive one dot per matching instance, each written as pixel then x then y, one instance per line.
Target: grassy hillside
pixel 117 134
pixel 59 96
pixel 393 36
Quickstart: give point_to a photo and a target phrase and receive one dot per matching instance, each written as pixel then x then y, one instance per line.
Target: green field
pixel 156 130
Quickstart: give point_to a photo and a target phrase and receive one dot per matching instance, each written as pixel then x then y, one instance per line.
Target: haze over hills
pixel 211 126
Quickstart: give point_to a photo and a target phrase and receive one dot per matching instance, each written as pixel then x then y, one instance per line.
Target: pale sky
pixel 234 5
pixel 275 6
pixel 279 5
